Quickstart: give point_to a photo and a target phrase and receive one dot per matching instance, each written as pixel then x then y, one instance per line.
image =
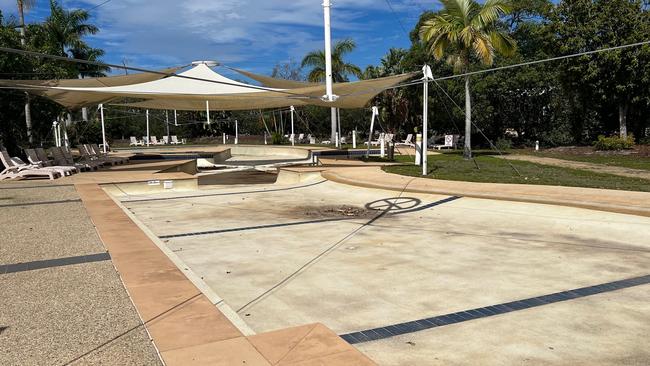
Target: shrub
pixel 278 139
pixel 614 143
pixel 503 144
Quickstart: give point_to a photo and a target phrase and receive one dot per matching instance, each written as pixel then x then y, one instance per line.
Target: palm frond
pixel 503 43
pixel 343 47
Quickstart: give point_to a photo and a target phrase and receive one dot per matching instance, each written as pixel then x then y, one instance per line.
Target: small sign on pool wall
pixel 153 183
pixel 168 184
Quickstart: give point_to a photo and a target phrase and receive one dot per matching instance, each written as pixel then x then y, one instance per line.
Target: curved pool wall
pixel 235 157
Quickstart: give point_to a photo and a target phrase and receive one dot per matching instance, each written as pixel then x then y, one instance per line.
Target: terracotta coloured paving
pixel 185 326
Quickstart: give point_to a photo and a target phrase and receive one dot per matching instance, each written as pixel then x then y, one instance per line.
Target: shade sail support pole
pixel 293 134
pixel 101 113
pixel 148 138
pixel 56 138
pixel 375 113
pixel 207 110
pixel 338 122
pixel 428 76
pixel 167 123
pixel 236 132
pixel 175 118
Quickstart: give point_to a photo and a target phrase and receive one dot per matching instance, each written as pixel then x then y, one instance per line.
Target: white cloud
pixel 230 31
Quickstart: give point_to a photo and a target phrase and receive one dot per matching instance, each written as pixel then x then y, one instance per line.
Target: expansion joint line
pixel 324 253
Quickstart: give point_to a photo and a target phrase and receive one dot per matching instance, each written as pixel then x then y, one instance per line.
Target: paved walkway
pixel 61 300
pixel 635 203
pixel 597 168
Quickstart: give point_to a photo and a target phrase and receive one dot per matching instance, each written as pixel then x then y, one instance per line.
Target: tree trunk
pixel 334 124
pixel 28 112
pixel 467 153
pixel 622 119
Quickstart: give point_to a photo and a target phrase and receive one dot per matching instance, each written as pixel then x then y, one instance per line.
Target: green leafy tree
pixel 83 52
pixel 341 70
pixel 467 31
pixel 609 84
pixel 68 27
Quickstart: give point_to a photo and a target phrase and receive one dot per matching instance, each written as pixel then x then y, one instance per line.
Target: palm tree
pixel 340 69
pixel 24 5
pixel 83 52
pixel 67 27
pixel 468 30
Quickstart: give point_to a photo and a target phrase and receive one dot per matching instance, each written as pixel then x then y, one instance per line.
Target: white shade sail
pixel 191 89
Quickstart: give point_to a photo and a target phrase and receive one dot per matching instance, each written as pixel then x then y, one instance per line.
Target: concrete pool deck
pixel 417 272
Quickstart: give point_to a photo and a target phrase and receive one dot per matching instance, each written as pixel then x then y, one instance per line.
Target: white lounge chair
pixel 154 141
pixel 300 138
pixel 165 140
pixel 175 140
pixel 407 142
pixel 18 171
pixel 135 142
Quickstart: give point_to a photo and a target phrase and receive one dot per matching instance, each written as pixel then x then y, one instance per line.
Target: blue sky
pixel 249 34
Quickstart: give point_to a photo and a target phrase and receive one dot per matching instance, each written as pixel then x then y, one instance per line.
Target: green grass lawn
pixel 451 166
pixel 627 161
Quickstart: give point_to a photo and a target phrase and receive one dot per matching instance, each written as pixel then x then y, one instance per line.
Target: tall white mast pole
pixel 328 65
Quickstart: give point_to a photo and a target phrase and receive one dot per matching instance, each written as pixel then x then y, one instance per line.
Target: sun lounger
pixel 135 142
pixel 165 140
pixel 100 153
pixel 154 141
pixel 62 171
pixel 175 141
pixel 39 159
pixel 19 171
pixel 407 142
pixel 92 164
pixel 85 156
pixel 61 160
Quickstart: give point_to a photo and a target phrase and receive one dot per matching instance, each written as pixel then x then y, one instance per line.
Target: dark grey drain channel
pixel 49 263
pixel 212 232
pixel 40 203
pixel 484 312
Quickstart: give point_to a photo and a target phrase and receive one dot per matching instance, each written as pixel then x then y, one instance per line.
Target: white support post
pixel 265 142
pixel 58 132
pixel 224 138
pixel 148 137
pixel 338 121
pixel 354 139
pixel 101 113
pixel 375 113
pixel 293 135
pixel 382 145
pixel 66 141
pixel 56 138
pixel 167 123
pixel 207 110
pixel 175 119
pixel 428 76
pixel 236 132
